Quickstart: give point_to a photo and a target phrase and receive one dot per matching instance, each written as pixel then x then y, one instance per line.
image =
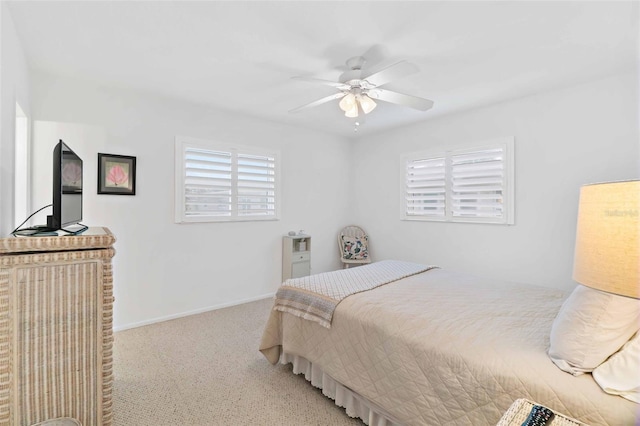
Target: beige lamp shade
pixel 607 243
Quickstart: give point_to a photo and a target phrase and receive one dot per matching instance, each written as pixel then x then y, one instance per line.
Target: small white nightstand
pixel 296 256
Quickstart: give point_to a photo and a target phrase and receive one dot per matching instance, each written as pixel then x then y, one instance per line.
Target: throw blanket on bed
pixel 315 297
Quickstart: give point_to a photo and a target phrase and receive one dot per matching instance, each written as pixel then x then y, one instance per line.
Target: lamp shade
pixel 607 244
pixel 366 103
pixel 348 102
pixel 352 112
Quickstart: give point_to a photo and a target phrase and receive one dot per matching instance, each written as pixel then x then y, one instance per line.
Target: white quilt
pixel 443 348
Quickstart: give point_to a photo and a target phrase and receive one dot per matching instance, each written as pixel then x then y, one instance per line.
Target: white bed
pixel 440 348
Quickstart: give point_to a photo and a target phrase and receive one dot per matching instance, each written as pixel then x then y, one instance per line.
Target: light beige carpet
pixel 206 370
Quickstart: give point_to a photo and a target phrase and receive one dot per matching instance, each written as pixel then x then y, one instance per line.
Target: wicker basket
pixel 520 409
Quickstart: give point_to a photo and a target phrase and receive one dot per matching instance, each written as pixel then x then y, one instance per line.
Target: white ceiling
pixel 241 56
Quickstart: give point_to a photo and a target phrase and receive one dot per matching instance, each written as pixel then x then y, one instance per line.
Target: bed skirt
pixel 354 404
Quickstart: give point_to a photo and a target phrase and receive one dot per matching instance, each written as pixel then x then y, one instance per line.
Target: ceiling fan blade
pixel 400 99
pixel 392 72
pixel 319 102
pixel 335 84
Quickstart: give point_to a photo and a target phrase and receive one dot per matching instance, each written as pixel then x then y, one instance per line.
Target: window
pixel 462 185
pixel 217 182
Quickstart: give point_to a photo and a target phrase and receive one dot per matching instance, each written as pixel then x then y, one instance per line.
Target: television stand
pixel 46 231
pixel 56 336
pixel 75 229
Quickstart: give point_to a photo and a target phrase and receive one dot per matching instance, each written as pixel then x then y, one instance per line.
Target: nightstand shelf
pixel 296 256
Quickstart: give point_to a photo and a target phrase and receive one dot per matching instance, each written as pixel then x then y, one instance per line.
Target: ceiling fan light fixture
pixel 358 91
pixel 352 112
pixel 348 102
pixel 367 104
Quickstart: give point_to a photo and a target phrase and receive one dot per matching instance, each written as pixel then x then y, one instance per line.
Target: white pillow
pixel 620 374
pixel 590 326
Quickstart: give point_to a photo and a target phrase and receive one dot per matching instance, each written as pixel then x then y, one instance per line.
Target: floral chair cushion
pixel 355 248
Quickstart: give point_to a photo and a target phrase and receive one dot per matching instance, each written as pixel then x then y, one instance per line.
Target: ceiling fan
pixel 359 91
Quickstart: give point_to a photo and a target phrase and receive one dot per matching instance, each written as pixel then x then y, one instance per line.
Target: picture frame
pixel 116 174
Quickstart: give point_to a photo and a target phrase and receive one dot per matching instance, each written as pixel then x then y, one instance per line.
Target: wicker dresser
pixel 56 306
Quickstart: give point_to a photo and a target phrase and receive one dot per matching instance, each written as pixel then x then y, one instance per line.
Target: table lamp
pixel 607 244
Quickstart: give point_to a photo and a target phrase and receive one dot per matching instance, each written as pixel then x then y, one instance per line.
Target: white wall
pixel 163 269
pixel 14 87
pixel 563 139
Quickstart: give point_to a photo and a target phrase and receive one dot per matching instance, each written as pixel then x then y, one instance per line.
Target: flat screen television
pixel 67 188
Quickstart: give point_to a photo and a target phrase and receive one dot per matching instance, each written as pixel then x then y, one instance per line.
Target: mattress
pixel 446 348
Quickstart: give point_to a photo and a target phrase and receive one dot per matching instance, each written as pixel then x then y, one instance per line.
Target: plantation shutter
pixel 207 183
pixel 477 184
pixel 224 183
pixel 425 187
pixel 474 184
pixel 256 185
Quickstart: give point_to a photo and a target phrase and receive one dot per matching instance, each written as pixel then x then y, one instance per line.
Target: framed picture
pixel 116 174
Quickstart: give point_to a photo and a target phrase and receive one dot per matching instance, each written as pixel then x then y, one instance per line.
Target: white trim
pixel 193 312
pixel 177 181
pixel 22 166
pixel 448 187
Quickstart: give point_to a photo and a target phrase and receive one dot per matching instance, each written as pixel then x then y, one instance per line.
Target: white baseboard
pixel 194 312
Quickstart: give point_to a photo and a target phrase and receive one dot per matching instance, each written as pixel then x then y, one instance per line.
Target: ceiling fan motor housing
pixel 351 77
pixel 356 63
pixel 354 73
